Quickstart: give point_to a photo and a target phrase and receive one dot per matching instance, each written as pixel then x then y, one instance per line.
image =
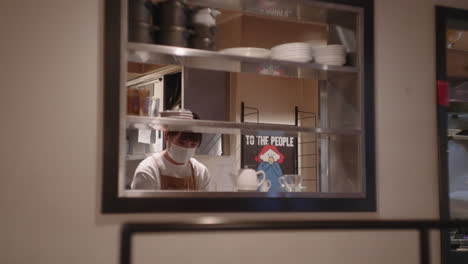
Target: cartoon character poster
pixel 275 155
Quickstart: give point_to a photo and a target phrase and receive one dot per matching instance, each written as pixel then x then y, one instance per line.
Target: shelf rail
pixel 422 226
pixel 299 117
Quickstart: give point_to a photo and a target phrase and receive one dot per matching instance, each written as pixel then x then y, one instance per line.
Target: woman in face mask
pixel 174 168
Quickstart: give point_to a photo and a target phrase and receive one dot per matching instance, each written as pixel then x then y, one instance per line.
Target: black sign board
pixel 276 155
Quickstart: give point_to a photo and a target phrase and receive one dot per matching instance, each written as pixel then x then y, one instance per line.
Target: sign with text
pixel 274 155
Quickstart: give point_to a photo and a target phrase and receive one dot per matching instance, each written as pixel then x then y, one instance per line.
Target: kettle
pixel 248 180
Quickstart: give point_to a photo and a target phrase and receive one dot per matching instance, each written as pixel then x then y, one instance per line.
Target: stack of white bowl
pixel 295 51
pixel 330 55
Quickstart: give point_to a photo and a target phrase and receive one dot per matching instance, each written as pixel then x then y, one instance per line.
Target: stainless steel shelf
pixel 212 60
pixel 299 10
pixel 226 127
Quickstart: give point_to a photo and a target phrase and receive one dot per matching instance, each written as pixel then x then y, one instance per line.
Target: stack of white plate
pixel 330 55
pixel 295 51
pixel 180 114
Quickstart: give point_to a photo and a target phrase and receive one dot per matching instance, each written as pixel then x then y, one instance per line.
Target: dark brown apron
pixel 175 183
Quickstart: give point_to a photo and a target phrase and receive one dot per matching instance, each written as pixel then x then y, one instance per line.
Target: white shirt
pixel 147 173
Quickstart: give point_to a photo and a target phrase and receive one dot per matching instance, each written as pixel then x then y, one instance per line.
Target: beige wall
pixel 50 107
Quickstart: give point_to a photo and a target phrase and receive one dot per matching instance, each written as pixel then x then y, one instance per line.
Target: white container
pixel 206 17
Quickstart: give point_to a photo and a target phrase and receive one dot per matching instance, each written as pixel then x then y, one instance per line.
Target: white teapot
pixel 265 187
pixel 248 180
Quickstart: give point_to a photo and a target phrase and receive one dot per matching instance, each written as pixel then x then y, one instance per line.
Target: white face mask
pixel 180 154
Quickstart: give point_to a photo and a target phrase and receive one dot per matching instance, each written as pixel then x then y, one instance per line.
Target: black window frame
pixel 443 15
pixel 112 203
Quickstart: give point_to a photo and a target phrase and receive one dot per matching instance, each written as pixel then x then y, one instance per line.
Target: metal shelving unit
pixel 213 60
pixel 226 127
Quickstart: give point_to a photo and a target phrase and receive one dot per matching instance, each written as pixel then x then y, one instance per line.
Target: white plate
pixel 315 43
pixel 339 63
pixel 329 57
pixel 327 48
pixel 290 50
pixel 295 59
pixel 330 61
pixel 333 46
pixel 292 45
pixel 330 54
pixel 328 51
pixel 291 53
pixel 247 52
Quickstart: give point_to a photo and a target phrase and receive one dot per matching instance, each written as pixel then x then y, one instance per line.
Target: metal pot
pixel 170 13
pixel 202 43
pixel 139 11
pixel 173 36
pixel 202 31
pixel 141 32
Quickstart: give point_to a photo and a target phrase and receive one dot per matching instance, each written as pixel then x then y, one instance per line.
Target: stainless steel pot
pixel 141 32
pixel 173 36
pixel 170 13
pixel 202 43
pixel 139 11
pixel 202 31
